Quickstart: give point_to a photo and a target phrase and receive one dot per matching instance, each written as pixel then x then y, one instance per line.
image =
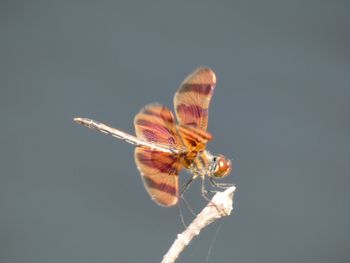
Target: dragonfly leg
pixel 181 216
pixel 204 191
pixel 219 185
pixel 185 186
pixel 188 206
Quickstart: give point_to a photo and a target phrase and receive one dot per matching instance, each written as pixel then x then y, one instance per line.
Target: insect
pixel 164 146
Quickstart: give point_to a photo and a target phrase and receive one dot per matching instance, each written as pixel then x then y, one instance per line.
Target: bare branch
pixel 221 205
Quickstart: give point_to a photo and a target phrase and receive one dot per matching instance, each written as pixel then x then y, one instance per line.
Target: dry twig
pixel 220 205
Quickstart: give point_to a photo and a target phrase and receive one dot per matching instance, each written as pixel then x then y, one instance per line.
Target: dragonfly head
pixel 221 166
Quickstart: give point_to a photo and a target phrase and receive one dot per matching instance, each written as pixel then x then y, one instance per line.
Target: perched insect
pixel 164 147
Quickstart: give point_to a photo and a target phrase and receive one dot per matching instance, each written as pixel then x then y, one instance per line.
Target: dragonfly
pixel 165 146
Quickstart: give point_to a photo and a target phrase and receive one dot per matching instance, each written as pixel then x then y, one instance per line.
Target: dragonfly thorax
pixel 206 164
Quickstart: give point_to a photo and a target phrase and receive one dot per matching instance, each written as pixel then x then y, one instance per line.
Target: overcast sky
pixel 280 112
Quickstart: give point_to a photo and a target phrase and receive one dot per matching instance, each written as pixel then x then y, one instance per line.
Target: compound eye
pixel 223 167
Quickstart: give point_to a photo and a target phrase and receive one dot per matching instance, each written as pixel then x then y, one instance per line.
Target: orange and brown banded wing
pixel 159 172
pixel 192 100
pixel 156 123
pixel 194 138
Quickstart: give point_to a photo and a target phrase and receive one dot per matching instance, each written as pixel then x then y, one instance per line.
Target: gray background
pixel 280 110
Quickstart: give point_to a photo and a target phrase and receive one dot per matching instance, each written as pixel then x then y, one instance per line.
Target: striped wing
pixel 159 173
pixel 191 104
pixel 194 138
pixel 159 170
pixel 192 100
pixel 156 123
